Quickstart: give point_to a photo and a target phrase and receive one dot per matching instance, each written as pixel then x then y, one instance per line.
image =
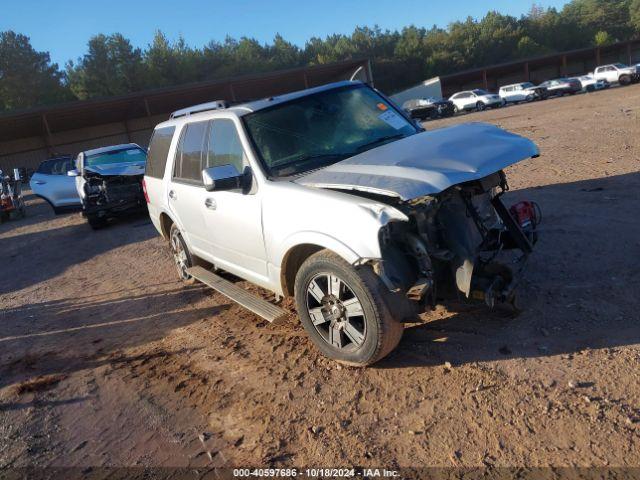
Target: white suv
pixel 521 92
pixel 332 195
pixel 617 73
pixel 476 100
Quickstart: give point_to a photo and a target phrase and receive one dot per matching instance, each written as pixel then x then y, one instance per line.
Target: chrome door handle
pixel 172 195
pixel 210 203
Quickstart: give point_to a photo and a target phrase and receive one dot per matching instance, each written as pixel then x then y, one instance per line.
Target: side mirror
pixel 73 173
pixel 222 177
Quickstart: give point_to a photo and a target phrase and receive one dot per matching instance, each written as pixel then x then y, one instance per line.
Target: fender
pixel 315 238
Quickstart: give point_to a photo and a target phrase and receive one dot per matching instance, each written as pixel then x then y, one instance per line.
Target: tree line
pixel 113 66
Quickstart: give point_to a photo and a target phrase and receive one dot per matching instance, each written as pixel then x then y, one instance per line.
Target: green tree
pixel 111 67
pixel 602 38
pixel 283 54
pixel 169 63
pixel 27 77
pixel 527 47
pixel 594 16
pixel 634 16
pixel 399 58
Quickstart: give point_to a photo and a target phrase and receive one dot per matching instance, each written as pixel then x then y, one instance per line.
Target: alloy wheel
pixel 336 312
pixel 180 255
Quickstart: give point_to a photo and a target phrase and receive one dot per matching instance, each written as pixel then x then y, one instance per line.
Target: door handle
pixel 172 195
pixel 210 203
pixel 39 182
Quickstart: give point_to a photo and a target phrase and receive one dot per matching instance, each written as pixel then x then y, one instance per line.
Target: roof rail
pixel 203 107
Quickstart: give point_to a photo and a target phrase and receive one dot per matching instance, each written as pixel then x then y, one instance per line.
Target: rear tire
pixel 181 255
pixel 352 322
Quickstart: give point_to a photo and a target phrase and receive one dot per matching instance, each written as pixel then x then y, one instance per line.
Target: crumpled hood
pixel 426 163
pixel 129 168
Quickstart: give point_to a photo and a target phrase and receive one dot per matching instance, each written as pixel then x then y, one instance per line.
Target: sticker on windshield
pixel 382 106
pixel 392 118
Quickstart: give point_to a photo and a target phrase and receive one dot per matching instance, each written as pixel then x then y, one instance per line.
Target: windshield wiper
pixel 320 158
pixel 379 141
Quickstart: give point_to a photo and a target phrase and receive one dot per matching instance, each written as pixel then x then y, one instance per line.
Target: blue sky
pixel 63 27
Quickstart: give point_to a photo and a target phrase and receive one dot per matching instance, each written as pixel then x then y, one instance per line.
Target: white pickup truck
pixel 617 73
pixel 334 196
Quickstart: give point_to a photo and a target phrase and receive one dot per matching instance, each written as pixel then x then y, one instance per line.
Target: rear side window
pixel 188 165
pixel 224 145
pixel 56 166
pixel 158 151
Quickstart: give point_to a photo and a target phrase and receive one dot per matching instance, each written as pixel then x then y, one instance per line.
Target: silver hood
pixel 426 163
pixel 129 168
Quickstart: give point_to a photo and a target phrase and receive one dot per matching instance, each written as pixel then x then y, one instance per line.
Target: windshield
pixel 480 92
pixel 620 65
pixel 323 128
pixel 129 155
pixel 527 85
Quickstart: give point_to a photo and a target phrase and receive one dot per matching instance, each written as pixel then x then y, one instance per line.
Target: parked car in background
pixel 562 86
pixel 109 182
pixel 333 196
pixel 522 92
pixel 591 84
pixel 617 73
pixel 51 183
pixel 429 108
pixel 476 100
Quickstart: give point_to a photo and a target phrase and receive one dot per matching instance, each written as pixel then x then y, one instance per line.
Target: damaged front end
pixel 109 195
pixel 462 244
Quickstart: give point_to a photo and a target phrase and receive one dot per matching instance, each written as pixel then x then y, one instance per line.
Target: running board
pixel 257 305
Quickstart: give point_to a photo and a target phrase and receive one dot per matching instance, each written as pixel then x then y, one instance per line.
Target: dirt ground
pixel 107 360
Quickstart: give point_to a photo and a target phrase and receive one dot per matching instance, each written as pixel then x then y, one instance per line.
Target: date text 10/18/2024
pixel 315 472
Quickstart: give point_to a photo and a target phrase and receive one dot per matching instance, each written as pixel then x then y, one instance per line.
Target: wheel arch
pixel 296 254
pixel 165 224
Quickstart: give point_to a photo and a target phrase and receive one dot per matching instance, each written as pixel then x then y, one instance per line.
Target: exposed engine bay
pixel 460 244
pixel 112 193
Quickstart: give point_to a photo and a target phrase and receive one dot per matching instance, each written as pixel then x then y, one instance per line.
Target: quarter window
pixel 224 146
pixel 158 151
pixel 188 164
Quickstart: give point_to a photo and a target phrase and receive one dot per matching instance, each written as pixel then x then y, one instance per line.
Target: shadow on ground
pixel 76 243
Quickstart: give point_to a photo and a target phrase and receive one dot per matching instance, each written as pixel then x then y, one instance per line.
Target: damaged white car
pixel 109 182
pixel 334 196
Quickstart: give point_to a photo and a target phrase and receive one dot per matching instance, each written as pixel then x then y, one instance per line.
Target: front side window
pixel 323 128
pixel 224 145
pixel 188 163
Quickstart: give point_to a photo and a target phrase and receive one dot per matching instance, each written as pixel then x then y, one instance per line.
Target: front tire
pixel 480 106
pixel 343 310
pixel 96 222
pixel 624 79
pixel 181 255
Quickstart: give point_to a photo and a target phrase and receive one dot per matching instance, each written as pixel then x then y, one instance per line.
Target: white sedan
pixel 476 100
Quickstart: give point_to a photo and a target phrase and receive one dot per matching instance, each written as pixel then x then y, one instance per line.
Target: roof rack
pixel 203 107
